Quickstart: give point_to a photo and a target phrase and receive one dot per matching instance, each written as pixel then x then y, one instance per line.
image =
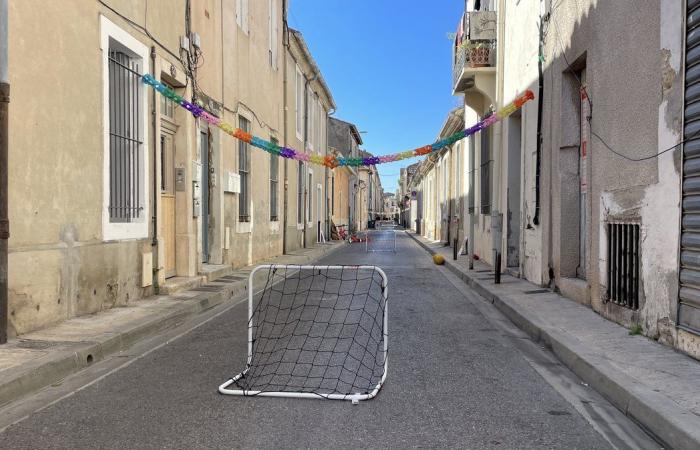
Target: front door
pixel 167 201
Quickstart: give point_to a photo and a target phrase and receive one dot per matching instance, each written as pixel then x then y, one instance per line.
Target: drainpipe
pixel 4 222
pixel 154 241
pixel 285 44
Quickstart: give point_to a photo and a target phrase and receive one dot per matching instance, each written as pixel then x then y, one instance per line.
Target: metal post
pixel 455 243
pixel 4 222
pixel 497 268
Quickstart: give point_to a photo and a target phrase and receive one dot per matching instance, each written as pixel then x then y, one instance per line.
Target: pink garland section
pixel 333 161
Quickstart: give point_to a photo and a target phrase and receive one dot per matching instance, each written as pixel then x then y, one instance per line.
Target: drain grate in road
pixel 536 291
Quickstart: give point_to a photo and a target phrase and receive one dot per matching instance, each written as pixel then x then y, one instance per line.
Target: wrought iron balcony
pixel 475 49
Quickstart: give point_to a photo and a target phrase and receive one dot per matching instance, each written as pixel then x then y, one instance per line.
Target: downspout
pixel 154 241
pixel 285 44
pixel 4 150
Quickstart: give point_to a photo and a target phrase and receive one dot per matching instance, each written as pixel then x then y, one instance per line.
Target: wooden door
pixel 167 199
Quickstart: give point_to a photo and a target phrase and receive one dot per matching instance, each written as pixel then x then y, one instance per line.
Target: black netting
pixel 317 331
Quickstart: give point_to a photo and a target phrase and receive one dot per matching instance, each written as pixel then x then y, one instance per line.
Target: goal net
pixel 381 239
pixel 315 332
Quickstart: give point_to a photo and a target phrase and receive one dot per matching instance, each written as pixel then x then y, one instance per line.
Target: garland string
pixel 332 161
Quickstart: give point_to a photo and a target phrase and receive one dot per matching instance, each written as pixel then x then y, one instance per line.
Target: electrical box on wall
pixel 232 183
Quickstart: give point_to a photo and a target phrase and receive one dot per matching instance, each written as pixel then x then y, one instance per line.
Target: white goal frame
pixel 368 233
pixel 224 388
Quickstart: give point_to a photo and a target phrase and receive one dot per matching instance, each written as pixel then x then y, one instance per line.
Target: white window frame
pixel 273 33
pixel 299 104
pixel 309 197
pixel 242 15
pixel 137 229
pixel 301 182
pixel 310 119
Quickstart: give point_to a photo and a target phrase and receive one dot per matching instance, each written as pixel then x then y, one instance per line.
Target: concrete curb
pixel 659 415
pixel 66 359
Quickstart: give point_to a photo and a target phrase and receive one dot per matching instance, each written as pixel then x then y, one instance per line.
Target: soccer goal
pixel 315 332
pixel 382 239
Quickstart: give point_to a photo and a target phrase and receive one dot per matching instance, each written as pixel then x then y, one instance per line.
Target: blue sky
pixel 388 65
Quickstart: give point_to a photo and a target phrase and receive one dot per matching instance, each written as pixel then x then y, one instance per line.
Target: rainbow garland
pixel 333 161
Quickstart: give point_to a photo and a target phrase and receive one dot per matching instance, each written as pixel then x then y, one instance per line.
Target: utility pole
pixel 4 222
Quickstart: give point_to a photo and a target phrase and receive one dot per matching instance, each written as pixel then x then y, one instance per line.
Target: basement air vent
pixel 623 264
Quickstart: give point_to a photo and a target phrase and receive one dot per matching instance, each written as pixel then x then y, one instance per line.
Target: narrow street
pixel 460 376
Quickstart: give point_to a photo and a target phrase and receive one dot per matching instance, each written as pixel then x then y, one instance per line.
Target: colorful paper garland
pixel 330 160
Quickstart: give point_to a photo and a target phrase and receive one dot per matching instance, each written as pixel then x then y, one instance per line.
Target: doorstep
pixel 178 284
pixel 213 271
pixel 656 386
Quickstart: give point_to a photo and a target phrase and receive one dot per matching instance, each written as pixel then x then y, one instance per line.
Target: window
pixel 242 15
pixel 273 33
pixel 125 194
pixel 274 183
pixel 309 190
pixel 167 106
pixel 244 173
pixel 310 113
pixel 300 193
pixel 299 104
pixel 485 172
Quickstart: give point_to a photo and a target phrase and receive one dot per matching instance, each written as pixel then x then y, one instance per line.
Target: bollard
pixel 455 242
pixel 497 269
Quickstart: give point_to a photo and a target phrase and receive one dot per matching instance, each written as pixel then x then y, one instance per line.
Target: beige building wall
pixel 309 102
pixel 243 77
pixel 341 196
pixel 62 263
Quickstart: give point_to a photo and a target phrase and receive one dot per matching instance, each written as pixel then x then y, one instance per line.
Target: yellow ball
pixel 439 259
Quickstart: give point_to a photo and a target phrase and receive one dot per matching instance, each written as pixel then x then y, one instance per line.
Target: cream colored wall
pixel 295 230
pixel 238 74
pixel 59 265
pixel 342 197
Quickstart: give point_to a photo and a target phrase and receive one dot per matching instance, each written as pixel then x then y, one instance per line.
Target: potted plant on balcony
pixel 478 52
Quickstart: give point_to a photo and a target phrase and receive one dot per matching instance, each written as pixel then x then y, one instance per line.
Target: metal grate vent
pixel 623 264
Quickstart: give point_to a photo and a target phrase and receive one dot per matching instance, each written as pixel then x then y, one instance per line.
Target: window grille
pixel 244 172
pixel 623 264
pixel 125 137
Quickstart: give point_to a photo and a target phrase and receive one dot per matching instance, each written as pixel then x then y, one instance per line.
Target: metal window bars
pixel 125 134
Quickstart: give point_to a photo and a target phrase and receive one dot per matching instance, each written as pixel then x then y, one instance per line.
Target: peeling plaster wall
pixel 636 116
pixel 520 72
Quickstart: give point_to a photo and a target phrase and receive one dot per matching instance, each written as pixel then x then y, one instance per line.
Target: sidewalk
pixel 41 358
pixel 654 385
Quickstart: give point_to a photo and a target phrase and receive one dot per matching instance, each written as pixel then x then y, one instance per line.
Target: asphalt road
pixel 454 381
